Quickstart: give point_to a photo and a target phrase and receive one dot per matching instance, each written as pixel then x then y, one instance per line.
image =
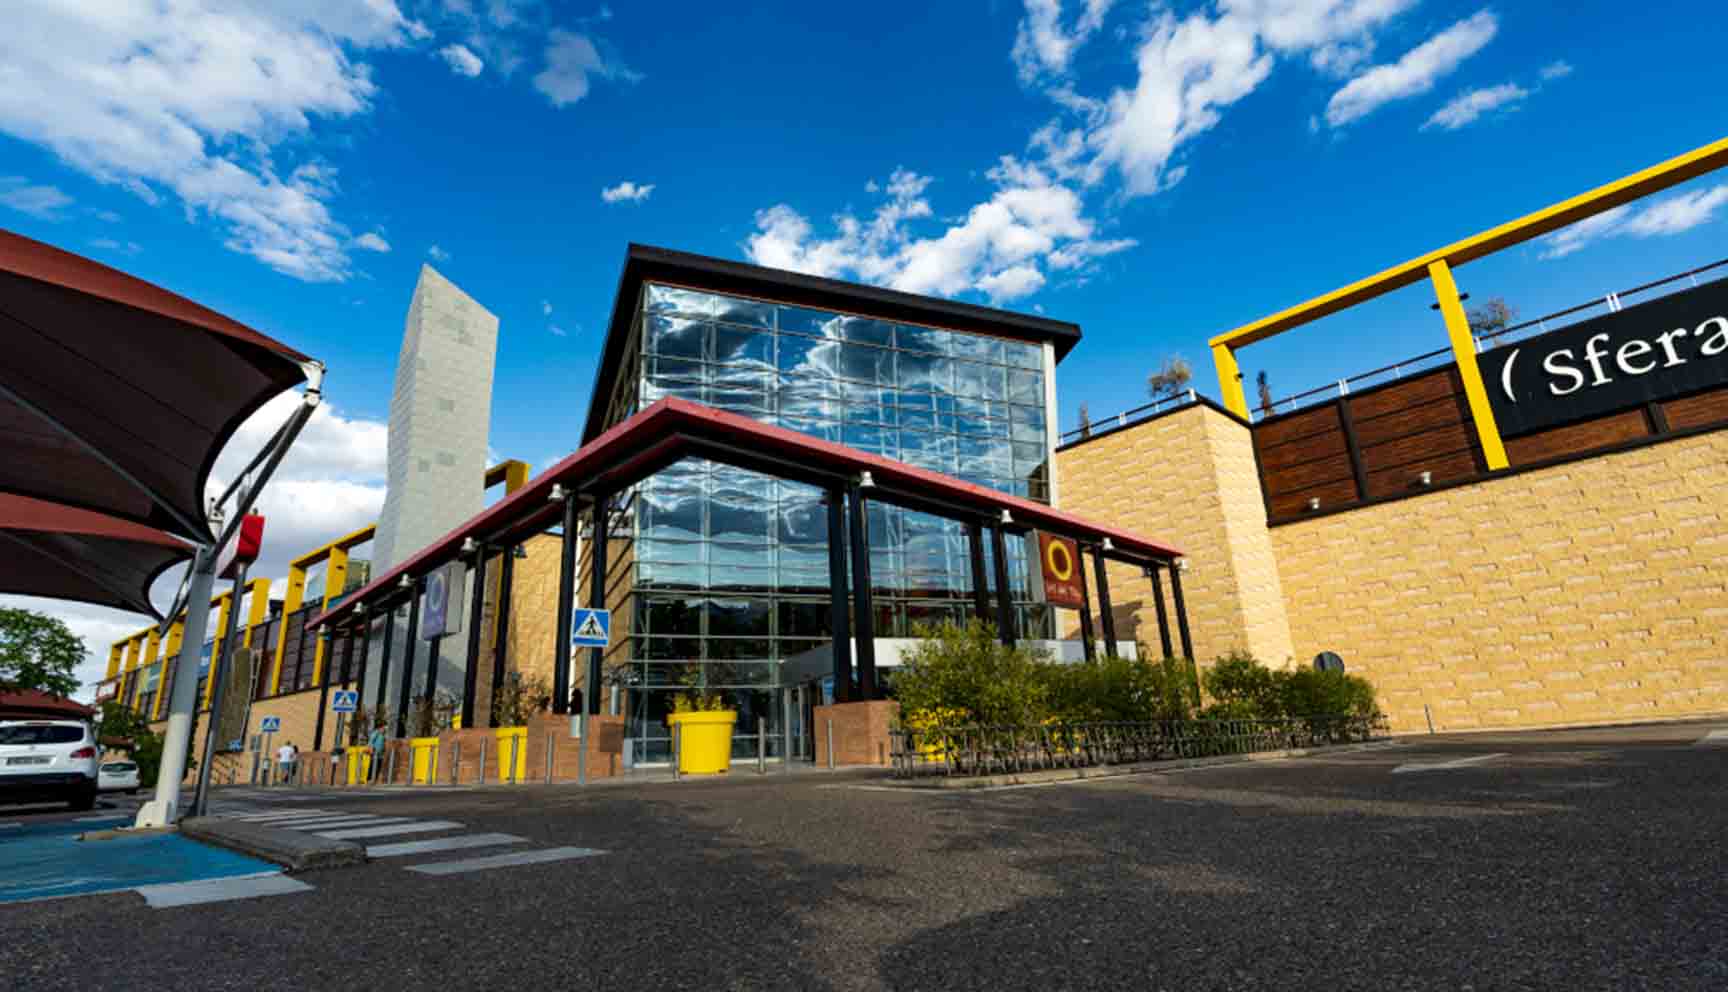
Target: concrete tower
pixel 440 418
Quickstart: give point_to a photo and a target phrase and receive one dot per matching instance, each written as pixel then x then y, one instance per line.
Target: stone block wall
pixel 860 732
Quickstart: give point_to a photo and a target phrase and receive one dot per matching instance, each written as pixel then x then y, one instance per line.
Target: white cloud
pixel 437 254
pixel 1413 74
pixel 462 61
pixel 997 249
pixel 122 247
pixel 546 308
pixel 37 201
pixel 571 59
pixel 558 331
pixel 1558 69
pixel 372 241
pixel 1043 45
pixel 1673 214
pixel 201 99
pixel 1467 107
pixel 627 192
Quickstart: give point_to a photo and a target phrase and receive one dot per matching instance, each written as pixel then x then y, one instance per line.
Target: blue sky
pixel 1157 173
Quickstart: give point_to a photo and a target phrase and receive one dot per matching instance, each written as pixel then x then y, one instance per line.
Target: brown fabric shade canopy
pixel 67 553
pixel 116 395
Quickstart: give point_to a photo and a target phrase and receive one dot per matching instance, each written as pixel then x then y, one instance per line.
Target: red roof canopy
pixel 114 390
pixel 66 553
pixel 34 704
pixel 674 429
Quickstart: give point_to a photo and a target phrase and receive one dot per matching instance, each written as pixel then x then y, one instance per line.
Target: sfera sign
pixel 1654 351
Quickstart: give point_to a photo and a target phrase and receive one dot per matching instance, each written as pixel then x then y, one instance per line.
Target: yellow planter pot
pixel 425 764
pixel 359 765
pixel 705 745
pixel 508 738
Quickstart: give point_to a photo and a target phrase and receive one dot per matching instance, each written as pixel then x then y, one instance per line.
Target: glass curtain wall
pixel 732 566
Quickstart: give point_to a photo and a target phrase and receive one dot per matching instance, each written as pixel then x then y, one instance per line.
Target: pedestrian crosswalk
pixel 370 827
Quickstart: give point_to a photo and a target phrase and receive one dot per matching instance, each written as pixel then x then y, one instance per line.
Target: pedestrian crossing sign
pixel 590 628
pixel 344 700
pixel 270 724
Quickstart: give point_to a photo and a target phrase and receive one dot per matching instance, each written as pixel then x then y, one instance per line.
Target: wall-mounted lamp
pixel 404 583
pixel 468 546
pixel 1007 518
pixel 1181 564
pixel 557 495
pixel 1426 478
pixel 865 481
pixel 1107 546
pixel 1313 502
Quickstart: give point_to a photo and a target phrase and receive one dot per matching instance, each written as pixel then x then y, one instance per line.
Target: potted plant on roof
pixel 701 727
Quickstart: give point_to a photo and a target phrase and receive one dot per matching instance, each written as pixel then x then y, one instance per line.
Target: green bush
pixel 1243 689
pixel 968 676
pixel 1120 689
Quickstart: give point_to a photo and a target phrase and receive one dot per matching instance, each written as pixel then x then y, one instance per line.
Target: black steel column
pixel 432 658
pixel 865 621
pixel 407 693
pixel 839 596
pixel 980 578
pixel 1181 611
pixel 1004 598
pixel 360 677
pixel 1086 643
pixel 597 600
pixel 501 640
pixel 1163 618
pixel 323 687
pixel 379 698
pixel 566 602
pixel 476 606
pixel 1106 618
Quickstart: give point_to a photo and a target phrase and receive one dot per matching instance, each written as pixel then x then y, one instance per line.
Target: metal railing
pixel 983 750
pixel 1609 303
pixel 1128 418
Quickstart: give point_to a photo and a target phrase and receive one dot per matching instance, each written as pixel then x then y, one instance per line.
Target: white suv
pixel 48 760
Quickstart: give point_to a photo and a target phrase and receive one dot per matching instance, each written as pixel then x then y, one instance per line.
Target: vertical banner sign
pixel 1060 558
pixel 441 610
pixel 1669 347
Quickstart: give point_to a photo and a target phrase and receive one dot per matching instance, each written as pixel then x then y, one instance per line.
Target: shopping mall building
pixel 1517 529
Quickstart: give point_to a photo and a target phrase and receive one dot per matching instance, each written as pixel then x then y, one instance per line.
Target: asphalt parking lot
pixel 1575 859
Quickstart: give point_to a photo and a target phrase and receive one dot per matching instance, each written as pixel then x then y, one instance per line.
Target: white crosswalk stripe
pixel 282 817
pixel 460 842
pixel 410 827
pixel 220 889
pixel 335 822
pixel 536 857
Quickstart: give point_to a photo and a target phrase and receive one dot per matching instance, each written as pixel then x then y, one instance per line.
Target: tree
pixel 125 729
pixel 1171 378
pixel 1264 386
pixel 38 651
pixel 1085 422
pixel 1491 317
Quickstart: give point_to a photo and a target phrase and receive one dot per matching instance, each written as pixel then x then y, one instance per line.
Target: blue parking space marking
pixel 46 861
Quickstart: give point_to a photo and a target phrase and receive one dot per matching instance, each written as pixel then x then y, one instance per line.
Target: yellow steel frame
pixel 1437 265
pixel 140 650
pixel 335 578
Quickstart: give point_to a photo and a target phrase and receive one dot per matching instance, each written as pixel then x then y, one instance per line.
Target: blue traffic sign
pixel 590 628
pixel 270 724
pixel 344 700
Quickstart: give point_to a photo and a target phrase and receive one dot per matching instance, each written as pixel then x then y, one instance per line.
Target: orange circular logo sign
pixel 1059 561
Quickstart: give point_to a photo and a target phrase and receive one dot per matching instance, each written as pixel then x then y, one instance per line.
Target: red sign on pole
pixel 243 548
pixel 1060 558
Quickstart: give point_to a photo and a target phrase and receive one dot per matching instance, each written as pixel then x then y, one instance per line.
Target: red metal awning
pixel 116 395
pixel 674 429
pixel 34 704
pixel 66 553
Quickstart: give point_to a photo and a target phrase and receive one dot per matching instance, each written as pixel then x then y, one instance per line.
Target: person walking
pixel 376 743
pixel 284 761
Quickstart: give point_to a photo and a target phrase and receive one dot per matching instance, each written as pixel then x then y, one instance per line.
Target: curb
pixel 292 849
pixel 1116 771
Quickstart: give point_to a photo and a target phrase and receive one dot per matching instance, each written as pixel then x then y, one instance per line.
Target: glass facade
pixel 731 567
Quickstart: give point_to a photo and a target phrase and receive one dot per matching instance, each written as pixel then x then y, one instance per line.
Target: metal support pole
pixel 1087 647
pixel 582 745
pixel 501 625
pixel 476 605
pixel 761 747
pixel 830 723
pixel 1106 612
pixel 786 727
pixel 980 578
pixel 551 745
pixel 514 776
pixel 566 602
pixel 1004 596
pixel 327 644
pixel 432 657
pixel 677 751
pixel 596 599
pixel 183 702
pixel 839 605
pixel 863 610
pixel 1181 612
pixel 218 670
pixel 456 763
pixel 482 779
pixel 390 769
pixel 1163 619
pixel 380 697
pixel 360 678
pixel 407 691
